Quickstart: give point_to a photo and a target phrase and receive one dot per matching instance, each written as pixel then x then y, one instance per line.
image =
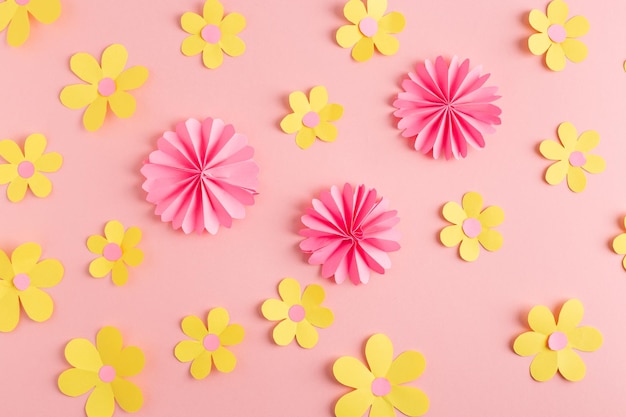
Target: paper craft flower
pixel 446 107
pixel 557 36
pixel 213 34
pixel 554 343
pixel 298 315
pixel 24 170
pixel 21 280
pixel 310 118
pixel 202 176
pixel 349 233
pixel 471 226
pixel 118 251
pixel 209 344
pixel 16 15
pixel 103 367
pixel 379 384
pixel 619 245
pixel 370 28
pixel 106 86
pixel 572 157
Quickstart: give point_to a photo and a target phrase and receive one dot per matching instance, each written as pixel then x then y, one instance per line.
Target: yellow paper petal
pixel 469 249
pixel 320 317
pixel 544 365
pixel 109 344
pixel 17 189
pixel 490 239
pixel 40 185
pixel 114 60
pixel 557 11
pixel 6 270
pixel 575 50
pixel 78 96
pixel 539 43
pixel 130 361
pixel 538 21
pixel 354 11
pixel 19 28
pixel 491 216
pixel 451 235
pixel 587 141
pixel 376 8
pixel 585 338
pixel 326 132
pixel 232 45
pixel 127 395
pixel 45 11
pixel 312 296
pixel 114 231
pixel 408 400
pixel 552 150
pixel 570 316
pixel 354 404
pixel 284 332
pixel 212 56
pixel 192 23
pixel 225 360
pixel 454 213
pixel 379 354
pixel 576 27
pixel 75 382
pixel 347 36
pixel 217 320
pixel 382 408
pixel 331 112
pixel 194 327
pixel 556 172
pixel 101 402
pixel 289 290
pixel 9 311
pixel 86 67
pixel 541 320
pixel 363 50
pixel 619 244
pixel 273 309
pixel 568 136
pixel 232 335
pixel 306 335
pixel 122 104
pixel 232 24
pixel 291 123
pixel 386 44
pixel 393 22
pixel 407 367
pixel 24 257
pixel 7 11
pixel 132 257
pixel 100 267
pixel 7 173
pixel 529 343
pixel 318 98
pixel 352 373
pixel 571 366
pixel 82 354
pixel 96 244
pixel 188 350
pixel 472 204
pixel 213 12
pixel 192 45
pixel 95 114
pixel 299 103
pixel 119 273
pixel 46 273
pixel 576 180
pixel 132 78
pixel 34 146
pixel 201 366
pixel 11 152
pixel 305 138
pixel 50 162
pixel 555 58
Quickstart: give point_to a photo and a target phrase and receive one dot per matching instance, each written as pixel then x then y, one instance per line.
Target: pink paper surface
pixel 462 316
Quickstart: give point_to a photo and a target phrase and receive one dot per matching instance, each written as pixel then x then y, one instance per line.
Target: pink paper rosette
pixel 201 176
pixel 446 107
pixel 349 233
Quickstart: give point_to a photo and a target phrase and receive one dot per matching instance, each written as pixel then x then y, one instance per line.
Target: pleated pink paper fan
pixel 201 176
pixel 349 233
pixel 446 107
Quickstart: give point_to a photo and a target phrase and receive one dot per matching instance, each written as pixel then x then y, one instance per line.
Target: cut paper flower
pixel 209 345
pixel 21 280
pixel 213 34
pixel 103 368
pixel 379 385
pixel 556 37
pixel 572 157
pixel 619 245
pixel 23 170
pixel 445 107
pixel 472 226
pixel 554 343
pixel 370 28
pixel 202 176
pixel 311 117
pixel 298 315
pixel 107 86
pixel 118 251
pixel 349 233
pixel 16 15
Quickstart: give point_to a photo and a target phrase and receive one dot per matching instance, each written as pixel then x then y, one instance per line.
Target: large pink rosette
pixel 202 176
pixel 349 233
pixel 445 107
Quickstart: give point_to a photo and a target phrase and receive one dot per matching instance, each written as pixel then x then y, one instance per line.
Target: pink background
pixel 463 317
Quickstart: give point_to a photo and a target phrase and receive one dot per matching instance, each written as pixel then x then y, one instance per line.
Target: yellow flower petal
pixel 407 367
pixel 8 173
pixel 326 132
pixel 75 382
pixel 40 185
pixel 109 344
pixel 273 309
pixel 544 365
pixel 539 43
pixel 306 335
pixel 472 204
pixel 130 361
pixel 82 354
pixel 232 24
pixel 127 395
pixel 568 136
pixel 587 141
pixel 132 78
pixel 192 45
pixel 386 44
pixel 299 103
pixel 101 402
pixel 194 327
pixel 354 11
pixel 347 36
pixel 201 366
pixel 37 304
pixel 320 317
pixel 490 239
pixel 352 373
pixel 576 27
pixel 232 335
pixel 552 150
pixel 11 152
pixel 212 56
pixel 225 361
pixel 451 235
pixel 289 290
pixel 541 320
pixel 556 172
pixel 291 123
pixel 576 180
pixel 557 12
pixel 382 408
pixel 376 8
pixel 331 112
pixel 585 338
pixel 538 21
pixel 24 257
pixel 408 400
pixel 379 354
pixel 570 316
pixel 454 213
pixel 9 311
pixel 555 58
pixel 284 332
pixel 17 189
pixel 491 216
pixel 188 350
pixel 363 50
pixel 393 22
pixel 119 273
pixel 355 403
pixel 530 343
pixel 78 96
pixel 469 249
pixel 96 244
pixel 7 11
pixel 232 45
pixel 192 23
pixel 95 114
pixel 19 28
pixel 34 146
pixel 318 98
pixel 114 60
pixel 100 267
pixel 571 366
pixel 217 320
pixel 50 162
pixel 312 296
pixel 114 232
pixel 46 273
pixel 574 50
pixel 132 256
pixel 86 67
pixel 45 11
pixel 122 104
pixel 305 137
pixel 6 270
pixel 213 12
pixel 619 244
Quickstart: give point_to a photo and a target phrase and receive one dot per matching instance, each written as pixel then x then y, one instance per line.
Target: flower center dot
pixel 22 2
pixel 112 252
pixel 311 119
pixel 368 26
pixel 106 87
pixel 26 169
pixel 211 342
pixel 472 227
pixel 557 341
pixel 577 159
pixel 296 313
pixel 21 281
pixel 557 33
pixel 381 387
pixel 106 373
pixel 211 34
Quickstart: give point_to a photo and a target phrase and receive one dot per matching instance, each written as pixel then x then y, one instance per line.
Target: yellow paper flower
pixel 24 170
pixel 557 35
pixel 104 368
pixel 554 343
pixel 371 27
pixel 213 34
pixel 619 245
pixel 209 346
pixel 107 86
pixel 573 157
pixel 379 384
pixel 298 315
pixel 471 226
pixel 15 14
pixel 21 280
pixel 118 250
pixel 311 117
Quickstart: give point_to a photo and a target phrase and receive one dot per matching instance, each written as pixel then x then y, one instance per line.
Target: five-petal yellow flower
pixel 15 14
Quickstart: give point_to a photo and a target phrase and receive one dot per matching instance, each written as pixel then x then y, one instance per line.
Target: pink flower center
pixel 356 234
pixel 557 33
pixel 112 252
pixel 26 169
pixel 106 87
pixel 557 341
pixel 22 2
pixel 368 26
pixel 211 342
pixel 472 227
pixel 297 313
pixel 21 281
pixel 311 119
pixel 107 373
pixel 577 159
pixel 381 387
pixel 211 34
